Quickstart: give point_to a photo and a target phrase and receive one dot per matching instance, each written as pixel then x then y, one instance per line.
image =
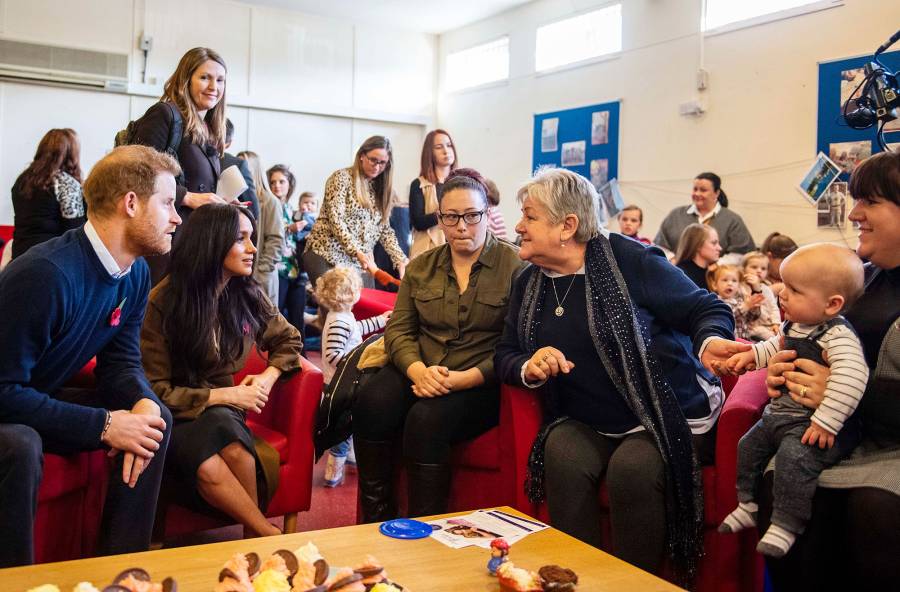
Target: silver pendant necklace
pixel 559 310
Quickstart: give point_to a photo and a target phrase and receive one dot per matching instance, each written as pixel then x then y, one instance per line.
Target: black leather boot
pixel 429 488
pixel 374 466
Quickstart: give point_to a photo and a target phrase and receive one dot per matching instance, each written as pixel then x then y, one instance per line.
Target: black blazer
pixel 200 169
pixel 228 160
pixel 199 164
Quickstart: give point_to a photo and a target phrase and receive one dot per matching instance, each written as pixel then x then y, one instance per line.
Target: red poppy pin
pixel 116 315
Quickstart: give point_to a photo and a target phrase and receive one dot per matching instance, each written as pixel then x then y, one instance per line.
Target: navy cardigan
pixel 675 316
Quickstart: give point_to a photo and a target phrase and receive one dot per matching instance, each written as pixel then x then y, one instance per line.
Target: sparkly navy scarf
pixel 621 347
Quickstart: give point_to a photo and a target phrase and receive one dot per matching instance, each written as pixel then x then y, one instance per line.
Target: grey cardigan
pixel 271 241
pixel 733 234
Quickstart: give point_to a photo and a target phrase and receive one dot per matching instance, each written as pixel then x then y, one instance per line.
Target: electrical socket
pixel 145 43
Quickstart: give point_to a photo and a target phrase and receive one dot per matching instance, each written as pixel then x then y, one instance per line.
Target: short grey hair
pixel 562 192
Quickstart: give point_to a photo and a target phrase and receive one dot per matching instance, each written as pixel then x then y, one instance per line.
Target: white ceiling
pixel 427 16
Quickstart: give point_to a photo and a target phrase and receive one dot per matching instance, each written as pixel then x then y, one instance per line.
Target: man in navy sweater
pixel 67 300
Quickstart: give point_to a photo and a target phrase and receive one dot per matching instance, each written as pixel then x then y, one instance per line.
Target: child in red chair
pixel 819 282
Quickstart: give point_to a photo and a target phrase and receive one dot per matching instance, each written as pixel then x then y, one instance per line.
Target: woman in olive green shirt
pixel 439 387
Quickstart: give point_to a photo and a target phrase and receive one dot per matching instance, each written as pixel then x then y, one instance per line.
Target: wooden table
pixel 423 565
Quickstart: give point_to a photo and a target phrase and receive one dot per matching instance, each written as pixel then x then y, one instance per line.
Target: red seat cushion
pixel 482 453
pixel 277 440
pixel 63 474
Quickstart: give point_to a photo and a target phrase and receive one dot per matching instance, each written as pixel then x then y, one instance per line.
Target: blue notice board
pixel 584 140
pixel 844 145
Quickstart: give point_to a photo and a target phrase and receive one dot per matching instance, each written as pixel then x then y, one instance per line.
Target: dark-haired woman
pixel 197 91
pixel 710 206
pixel 776 248
pixel 852 541
pixel 439 387
pixel 355 215
pixel 438 160
pixel 47 198
pixel 200 325
pixel 291 287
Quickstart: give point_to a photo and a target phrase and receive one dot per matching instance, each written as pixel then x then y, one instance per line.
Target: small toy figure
pixel 499 555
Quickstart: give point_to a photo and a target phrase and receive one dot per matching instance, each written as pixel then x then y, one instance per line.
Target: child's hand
pixel 817 434
pixel 755 300
pixel 386 315
pixel 752 280
pixel 740 363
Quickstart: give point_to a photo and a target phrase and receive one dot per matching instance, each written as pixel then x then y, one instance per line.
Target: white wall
pixel 759 133
pixel 302 89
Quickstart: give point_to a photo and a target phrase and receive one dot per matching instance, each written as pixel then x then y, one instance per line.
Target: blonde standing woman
pixel 194 99
pixel 355 216
pixel 270 228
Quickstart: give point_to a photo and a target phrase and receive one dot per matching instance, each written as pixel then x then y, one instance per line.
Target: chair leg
pixel 290 523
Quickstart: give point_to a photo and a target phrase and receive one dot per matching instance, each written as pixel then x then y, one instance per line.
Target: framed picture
pixel 820 176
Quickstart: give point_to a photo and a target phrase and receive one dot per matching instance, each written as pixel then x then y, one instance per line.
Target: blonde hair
pixel 713 275
pixel 338 287
pixel 382 184
pixel 254 164
pixel 745 260
pixel 125 169
pixel 177 90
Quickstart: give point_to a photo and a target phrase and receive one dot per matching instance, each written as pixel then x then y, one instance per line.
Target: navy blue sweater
pixel 57 302
pixel 675 317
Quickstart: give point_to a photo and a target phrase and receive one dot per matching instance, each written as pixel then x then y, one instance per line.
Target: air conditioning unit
pixel 63 66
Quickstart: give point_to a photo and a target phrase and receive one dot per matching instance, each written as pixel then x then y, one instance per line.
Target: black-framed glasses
pixel 377 163
pixel 470 218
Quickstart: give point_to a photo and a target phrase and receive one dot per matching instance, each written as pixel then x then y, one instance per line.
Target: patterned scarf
pixel 621 347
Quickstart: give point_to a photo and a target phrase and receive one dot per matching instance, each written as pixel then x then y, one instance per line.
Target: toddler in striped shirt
pixel 338 289
pixel 820 281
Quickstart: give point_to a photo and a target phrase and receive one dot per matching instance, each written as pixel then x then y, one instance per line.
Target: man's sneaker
pixel 334 470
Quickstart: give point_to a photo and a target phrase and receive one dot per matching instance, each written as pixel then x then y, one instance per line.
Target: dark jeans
pixel 576 459
pixel 292 300
pixel 852 542
pixel 128 514
pixel 797 465
pixel 386 406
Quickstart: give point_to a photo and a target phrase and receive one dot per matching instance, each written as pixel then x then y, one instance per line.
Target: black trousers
pixel 576 461
pixel 128 514
pixel 386 407
pixel 852 542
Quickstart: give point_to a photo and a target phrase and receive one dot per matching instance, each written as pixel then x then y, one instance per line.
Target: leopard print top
pixel 68 193
pixel 345 227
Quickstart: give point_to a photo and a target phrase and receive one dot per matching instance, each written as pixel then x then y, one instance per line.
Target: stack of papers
pixel 480 528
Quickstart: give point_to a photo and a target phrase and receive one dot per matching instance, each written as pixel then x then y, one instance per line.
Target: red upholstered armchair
pixel 70 499
pixel 286 423
pixel 730 563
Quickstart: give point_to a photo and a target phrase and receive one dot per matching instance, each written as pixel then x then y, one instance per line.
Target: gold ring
pixel 803 391
pixel 544 357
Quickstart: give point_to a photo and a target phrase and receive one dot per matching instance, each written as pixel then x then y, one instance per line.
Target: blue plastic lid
pixel 404 528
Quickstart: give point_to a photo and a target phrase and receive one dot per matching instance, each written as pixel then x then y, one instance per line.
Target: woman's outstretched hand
pixel 718 351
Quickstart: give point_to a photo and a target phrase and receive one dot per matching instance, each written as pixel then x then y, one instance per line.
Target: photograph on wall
pixel 831 211
pixel 573 153
pixel 599 172
pixel 892 126
pixel 549 128
pixel 599 127
pixel 611 198
pixel 849 154
pixel 820 176
pixel 850 82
